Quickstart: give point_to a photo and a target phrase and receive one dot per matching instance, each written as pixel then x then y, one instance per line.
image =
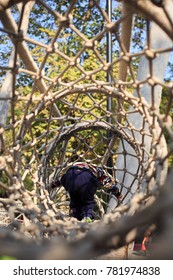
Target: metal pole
pixel 109 60
pixel 109 50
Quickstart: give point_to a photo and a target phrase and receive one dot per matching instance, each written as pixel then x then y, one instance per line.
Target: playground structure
pixel 114 122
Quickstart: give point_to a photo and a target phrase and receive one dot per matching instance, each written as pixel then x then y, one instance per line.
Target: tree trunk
pixel 6 90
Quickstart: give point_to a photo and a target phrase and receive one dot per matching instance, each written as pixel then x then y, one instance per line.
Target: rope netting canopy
pixel 64 99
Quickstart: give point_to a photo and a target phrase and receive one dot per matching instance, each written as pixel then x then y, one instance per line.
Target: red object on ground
pixel 142 246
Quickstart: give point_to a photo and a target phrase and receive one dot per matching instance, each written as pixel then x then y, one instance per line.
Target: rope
pixel 63 118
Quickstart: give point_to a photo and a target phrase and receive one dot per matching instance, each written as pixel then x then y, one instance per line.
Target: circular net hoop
pixel 63 99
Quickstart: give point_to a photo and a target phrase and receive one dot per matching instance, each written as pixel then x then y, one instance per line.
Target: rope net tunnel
pixel 65 99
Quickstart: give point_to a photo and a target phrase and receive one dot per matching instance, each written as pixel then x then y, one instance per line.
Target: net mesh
pixel 61 105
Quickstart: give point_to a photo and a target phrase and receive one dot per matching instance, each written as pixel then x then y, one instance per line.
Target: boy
pixel 81 181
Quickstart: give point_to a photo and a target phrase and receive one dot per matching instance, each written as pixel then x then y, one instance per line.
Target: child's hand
pixel 119 196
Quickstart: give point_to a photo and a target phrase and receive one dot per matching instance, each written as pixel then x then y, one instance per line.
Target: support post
pixel 109 60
